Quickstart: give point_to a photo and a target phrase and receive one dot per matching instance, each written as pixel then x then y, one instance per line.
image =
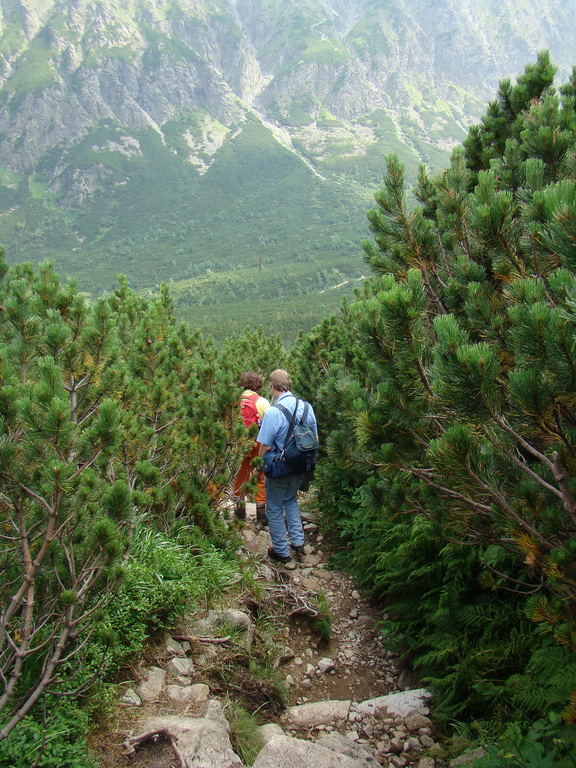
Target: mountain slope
pixel 166 138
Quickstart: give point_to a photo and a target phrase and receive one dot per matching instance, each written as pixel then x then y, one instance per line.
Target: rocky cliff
pixel 66 64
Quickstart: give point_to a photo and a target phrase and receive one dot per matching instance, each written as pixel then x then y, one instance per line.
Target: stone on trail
pixel 173 646
pixel 336 742
pixel 186 694
pixel 399 704
pixel 232 618
pixel 311 560
pixel 131 698
pixel 264 572
pixel 151 689
pixel 236 620
pixel 181 666
pixel 268 731
pixel 317 713
pixel 416 721
pixel 214 711
pixel 287 752
pixel 326 665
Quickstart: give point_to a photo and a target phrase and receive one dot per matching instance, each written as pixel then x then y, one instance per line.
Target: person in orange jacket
pixel 252 408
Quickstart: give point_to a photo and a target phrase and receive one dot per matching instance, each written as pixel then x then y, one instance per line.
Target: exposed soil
pixel 363 668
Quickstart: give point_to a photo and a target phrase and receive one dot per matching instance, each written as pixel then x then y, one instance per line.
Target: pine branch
pixel 553 465
pixel 503 505
pixel 531 591
pixel 525 468
pixel 40 685
pixel 426 475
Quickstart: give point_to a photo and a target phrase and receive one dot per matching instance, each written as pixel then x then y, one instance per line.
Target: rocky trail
pixel 350 704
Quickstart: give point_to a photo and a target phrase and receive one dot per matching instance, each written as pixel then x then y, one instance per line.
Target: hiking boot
pixel 273 555
pixel 240 510
pixel 298 551
pixel 261 518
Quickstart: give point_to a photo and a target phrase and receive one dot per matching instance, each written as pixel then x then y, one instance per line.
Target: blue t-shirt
pixel 275 424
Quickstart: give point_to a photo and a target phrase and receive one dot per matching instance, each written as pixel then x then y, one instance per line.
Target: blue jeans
pixel 283 513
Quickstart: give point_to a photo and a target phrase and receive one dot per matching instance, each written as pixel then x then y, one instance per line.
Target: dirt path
pixel 362 667
pixel 353 664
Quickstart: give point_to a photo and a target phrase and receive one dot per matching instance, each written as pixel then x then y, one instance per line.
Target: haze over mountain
pixel 233 146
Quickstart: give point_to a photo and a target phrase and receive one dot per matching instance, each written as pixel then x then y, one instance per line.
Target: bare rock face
pixel 317 713
pixel 198 742
pixel 234 61
pixel 287 752
pixel 399 704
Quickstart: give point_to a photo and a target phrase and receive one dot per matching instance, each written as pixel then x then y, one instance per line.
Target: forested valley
pixel 446 397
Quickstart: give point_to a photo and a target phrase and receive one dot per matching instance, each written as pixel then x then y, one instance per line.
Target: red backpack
pixel 248 409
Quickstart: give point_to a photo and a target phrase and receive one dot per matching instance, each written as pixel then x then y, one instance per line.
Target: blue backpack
pixel 301 444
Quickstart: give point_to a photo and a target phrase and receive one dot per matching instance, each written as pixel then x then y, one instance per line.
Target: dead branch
pixel 292 601
pixel 203 639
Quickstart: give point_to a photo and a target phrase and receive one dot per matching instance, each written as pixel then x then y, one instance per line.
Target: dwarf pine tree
pixel 453 438
pixel 64 522
pixel 183 435
pixel 114 418
pixel 254 350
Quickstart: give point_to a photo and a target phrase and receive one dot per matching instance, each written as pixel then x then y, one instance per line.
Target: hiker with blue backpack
pixel 288 441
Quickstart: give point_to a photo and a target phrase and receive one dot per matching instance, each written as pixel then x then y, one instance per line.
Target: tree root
pixel 153 737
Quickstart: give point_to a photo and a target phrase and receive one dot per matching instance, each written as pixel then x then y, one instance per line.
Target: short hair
pixel 250 380
pixel 280 380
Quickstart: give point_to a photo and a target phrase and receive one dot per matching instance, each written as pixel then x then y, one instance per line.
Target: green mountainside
pixel 231 147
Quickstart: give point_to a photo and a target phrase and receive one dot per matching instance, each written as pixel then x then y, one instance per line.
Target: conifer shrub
pixel 447 394
pixel 120 436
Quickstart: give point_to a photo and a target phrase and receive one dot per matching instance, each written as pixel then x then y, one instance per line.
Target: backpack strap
pixel 291 418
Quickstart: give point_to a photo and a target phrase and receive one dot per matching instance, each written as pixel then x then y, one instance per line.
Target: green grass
pixel 12 39
pixel 325 52
pixel 9 178
pixel 34 70
pixel 244 731
pixel 299 116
